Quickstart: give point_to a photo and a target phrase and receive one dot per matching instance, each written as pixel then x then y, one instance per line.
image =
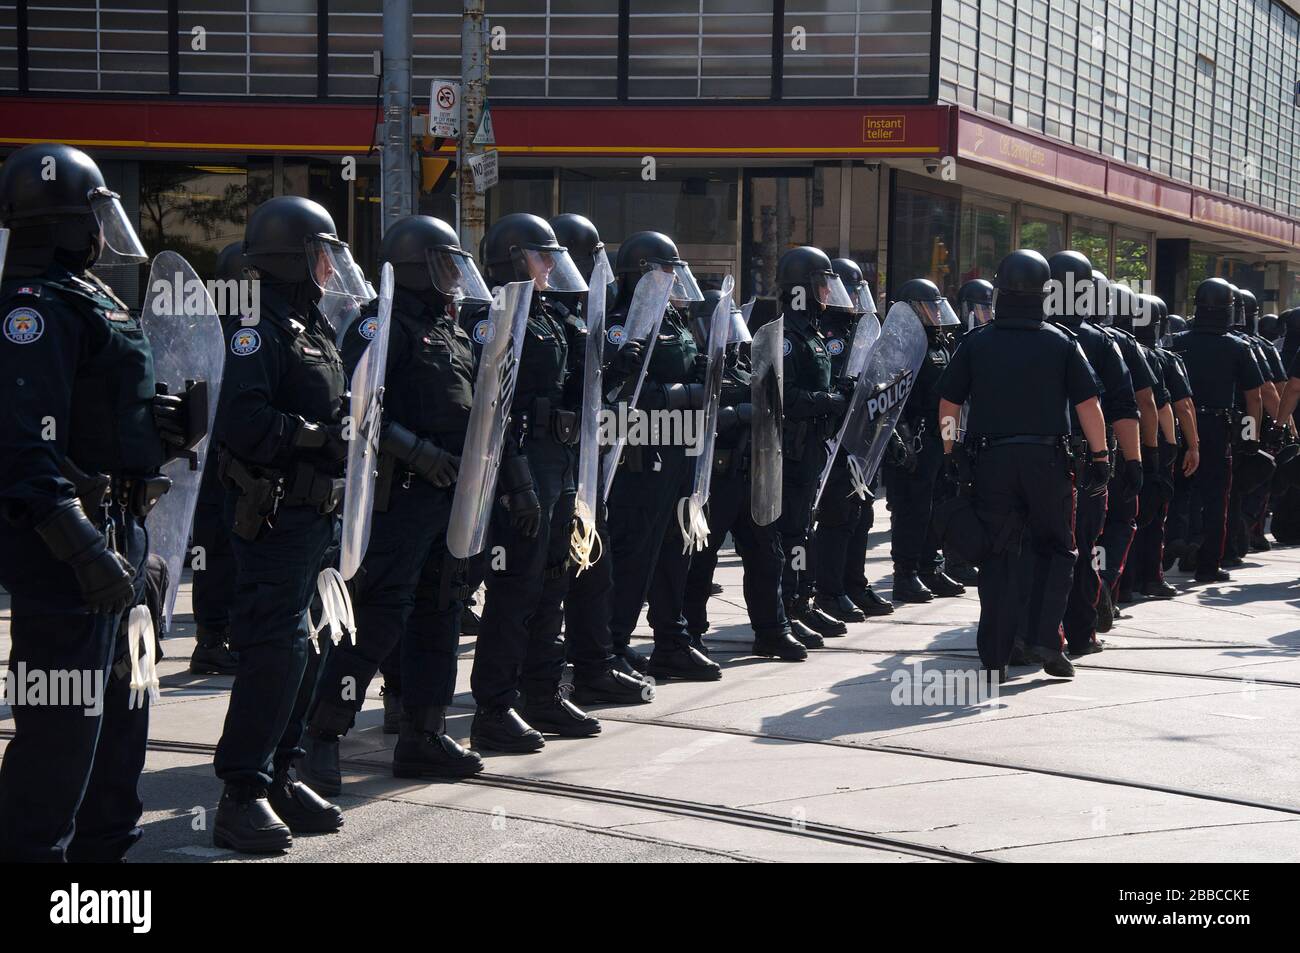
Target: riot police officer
pixel 844 520
pixel 213 588
pixel 407 594
pixel 73 361
pixel 1073 302
pixel 975 304
pixel 759 547
pixel 911 475
pixel 599 676
pixel 1021 376
pixel 814 406
pixel 282 449
pixel 1219 368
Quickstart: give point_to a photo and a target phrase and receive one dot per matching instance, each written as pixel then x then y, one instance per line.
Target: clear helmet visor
pixel 935 314
pixel 685 288
pixel 330 264
pixel 600 264
pixel 863 300
pixel 830 292
pixel 552 269
pixel 456 276
pixel 121 243
pixel 739 331
pixel 979 315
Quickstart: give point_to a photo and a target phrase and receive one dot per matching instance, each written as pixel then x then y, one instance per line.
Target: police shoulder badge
pixel 615 334
pixel 483 331
pixel 368 328
pixel 788 347
pixel 835 346
pixel 244 342
pixel 24 326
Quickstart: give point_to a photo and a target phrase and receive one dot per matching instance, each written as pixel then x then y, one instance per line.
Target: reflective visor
pixel 551 269
pixel 739 333
pixel 980 314
pixel 830 291
pixel 455 275
pixel 864 302
pixel 685 287
pixel 935 314
pixel 329 261
pixel 121 244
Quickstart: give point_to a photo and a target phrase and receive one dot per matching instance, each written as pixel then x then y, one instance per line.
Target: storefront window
pixel 1091 237
pixel 194 210
pixel 924 237
pixel 864 223
pixel 1133 257
pixel 985 238
pixel 777 207
pixel 1041 230
pixel 525 190
pixel 1206 261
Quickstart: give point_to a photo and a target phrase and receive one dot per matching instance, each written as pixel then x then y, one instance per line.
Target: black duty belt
pixel 1031 440
pixel 542 416
pixel 97 492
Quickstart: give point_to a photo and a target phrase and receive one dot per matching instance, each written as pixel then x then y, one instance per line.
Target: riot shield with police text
pixel 690 510
pixel 494 392
pixel 587 502
pixel 865 338
pixel 767 355
pixel 365 423
pixel 644 316
pixel 884 386
pixel 189 352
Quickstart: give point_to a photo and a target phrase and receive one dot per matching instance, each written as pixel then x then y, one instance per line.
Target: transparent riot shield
pixel 494 392
pixel 690 510
pixel 189 352
pixel 866 335
pixel 365 422
pixel 884 386
pixel 584 538
pixel 644 315
pixel 766 393
pixel 4 250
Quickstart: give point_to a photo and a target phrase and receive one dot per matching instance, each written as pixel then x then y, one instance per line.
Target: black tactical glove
pixel 700 368
pixel 516 484
pixel 171 417
pixel 1097 474
pixel 106 580
pixel 327 438
pixel 627 359
pixel 829 403
pixel 1131 476
pixel 846 386
pixel 431 462
pixel 899 453
pixel 956 465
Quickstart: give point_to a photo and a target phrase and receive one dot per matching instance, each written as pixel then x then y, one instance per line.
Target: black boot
pixel 716 589
pixel 1187 561
pixel 425 750
pixel 697 643
pixel 908 587
pixel 1105 608
pixel 1259 543
pixel 804 635
pixel 1091 647
pixel 1159 589
pixel 553 714
pixel 815 619
pixel 941 584
pixel 212 655
pixel 1212 576
pixel 305 811
pixel 1018 655
pixel 682 661
pixel 318 768
pixel 392 700
pixel 962 571
pixel 1054 661
pixel 779 643
pixel 499 728
pixel 630 660
pixel 611 686
pixel 1174 549
pixel 469 621
pixel 840 608
pixel 247 823
pixel 869 602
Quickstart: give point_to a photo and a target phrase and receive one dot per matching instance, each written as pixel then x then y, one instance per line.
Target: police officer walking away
pixel 72 542
pixel 407 595
pixel 282 451
pixel 1021 377
pixel 911 476
pixel 1219 366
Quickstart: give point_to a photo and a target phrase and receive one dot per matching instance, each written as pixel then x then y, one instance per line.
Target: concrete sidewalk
pixel 1180 742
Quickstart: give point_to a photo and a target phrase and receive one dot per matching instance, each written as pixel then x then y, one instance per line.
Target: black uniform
pixel 74 363
pixel 1021 377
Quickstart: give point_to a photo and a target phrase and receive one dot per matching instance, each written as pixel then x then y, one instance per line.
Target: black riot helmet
pixel 1238 308
pixel 1270 328
pixel 924 299
pixel 975 303
pixel 850 275
pixel 230 263
pixel 1147 321
pixel 809 284
pixel 1250 310
pixel 1103 299
pixel 1215 303
pixel 648 251
pixel 1073 295
pixel 1177 324
pixel 1290 321
pixel 54 199
pixel 704 311
pixel 579 235
pixel 426 256
pixel 523 247
pixel 1021 283
pixel 293 240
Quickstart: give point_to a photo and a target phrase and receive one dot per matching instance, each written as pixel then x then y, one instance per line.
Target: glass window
pixel 864 223
pixel 985 237
pixel 924 236
pixel 777 206
pixel 1132 256
pixel 1042 230
pixel 195 210
pixel 1091 237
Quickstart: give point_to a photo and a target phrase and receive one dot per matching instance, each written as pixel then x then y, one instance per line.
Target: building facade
pixel 920 137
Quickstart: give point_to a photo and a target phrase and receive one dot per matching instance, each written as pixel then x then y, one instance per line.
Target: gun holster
pixel 259 496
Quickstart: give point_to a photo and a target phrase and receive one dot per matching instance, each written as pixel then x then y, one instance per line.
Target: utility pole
pixel 398 169
pixel 471 205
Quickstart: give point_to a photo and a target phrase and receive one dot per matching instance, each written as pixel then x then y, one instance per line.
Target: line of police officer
pixel 1015 407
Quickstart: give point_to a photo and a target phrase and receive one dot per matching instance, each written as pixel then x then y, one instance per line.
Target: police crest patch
pixel 835 346
pixel 788 347
pixel 245 341
pixel 24 326
pixel 368 328
pixel 483 331
pixel 615 334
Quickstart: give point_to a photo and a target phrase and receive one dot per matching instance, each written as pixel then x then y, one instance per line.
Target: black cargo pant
pixel 1118 532
pixel 1024 588
pixel 1213 484
pixel 798 489
pixel 214 584
pixel 839 546
pixel 1080 619
pixel 911 500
